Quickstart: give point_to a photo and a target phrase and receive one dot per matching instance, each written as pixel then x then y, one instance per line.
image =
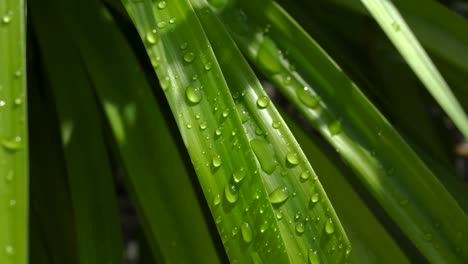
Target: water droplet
pixel 335 127
pixel 216 161
pixel 12 144
pixel 329 227
pixel 152 37
pixel 235 231
pixel 315 197
pixel 263 102
pixel 287 79
pixel 218 132
pixel 292 158
pixel 217 200
pixel 189 57
pixel 238 175
pixel 276 124
pixel 231 193
pixel 2 103
pixel 18 73
pixel 156 62
pixel 226 113
pixel 184 46
pixel 9 250
pixel 18 101
pixel 279 215
pixel 297 216
pixel 313 257
pixel 264 227
pixel 218 219
pixel 193 94
pixel 165 83
pixel 279 195
pixel 9 176
pixel 203 125
pixel 208 65
pixel 12 203
pixel 395 26
pixel 246 232
pixel 172 20
pixel 306 97
pixel 265 155
pixel 162 4
pixel 189 125
pixel 6 19
pixel 162 24
pixel 305 175
pixel 300 228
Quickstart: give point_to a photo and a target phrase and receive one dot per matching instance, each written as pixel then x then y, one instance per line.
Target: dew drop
pixel 12 203
pixel 203 125
pixel 300 228
pixel 162 4
pixel 189 57
pixel 335 127
pixel 217 200
pixel 315 197
pixel 395 26
pixel 226 113
pixel 276 124
pixel 218 132
pixel 305 175
pixel 238 175
pixel 9 250
pixel 9 176
pixel 184 46
pixel 208 65
pixel 216 161
pixel 189 125
pixel 18 101
pixel 292 158
pixel 172 20
pixel 162 24
pixel 2 103
pixel 165 83
pixel 306 97
pixel 235 231
pixel 152 37
pixel 246 232
pixel 6 19
pixel 193 94
pixel 279 215
pixel 313 257
pixel 12 144
pixel 264 227
pixel 329 227
pixel 231 193
pixel 279 195
pixel 263 102
pixel 287 79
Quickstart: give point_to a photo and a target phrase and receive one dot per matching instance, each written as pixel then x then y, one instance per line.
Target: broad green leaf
pixel 391 171
pixel 308 224
pixel 88 167
pixel 397 29
pixel 205 113
pixel 159 182
pixel 13 134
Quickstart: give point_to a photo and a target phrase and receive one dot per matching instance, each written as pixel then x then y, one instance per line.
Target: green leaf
pixel 13 136
pixel 391 171
pixel 205 113
pixel 159 182
pixel 397 29
pixel 88 167
pixel 308 224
